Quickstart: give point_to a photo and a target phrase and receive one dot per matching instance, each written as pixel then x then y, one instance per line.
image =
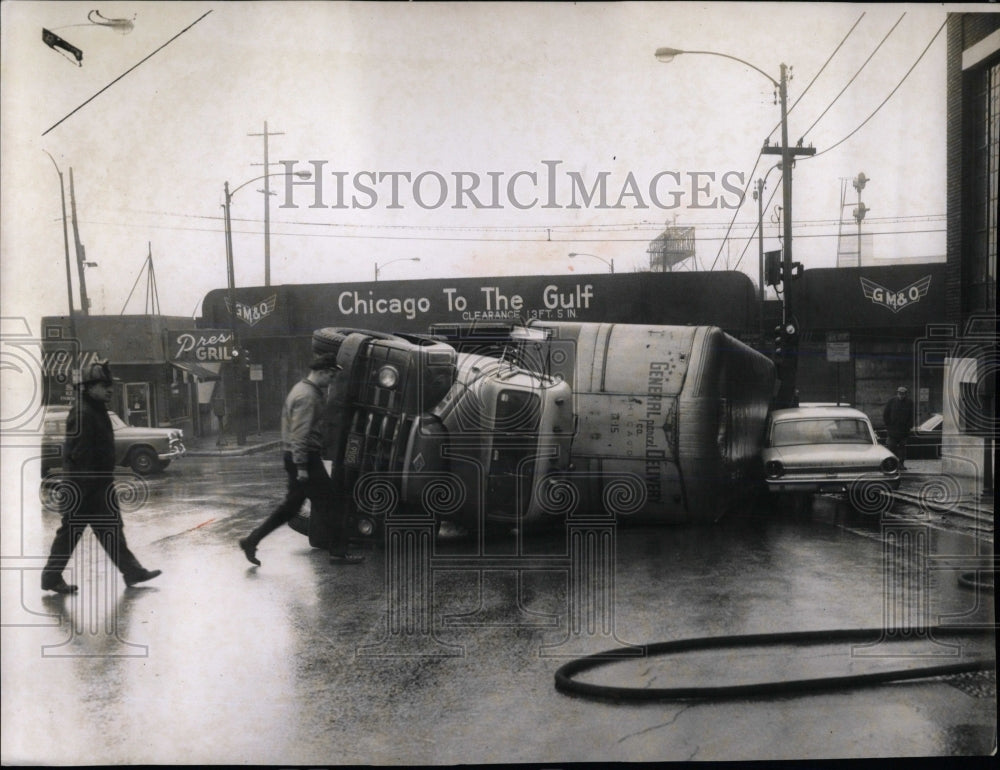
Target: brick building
pixel 967 343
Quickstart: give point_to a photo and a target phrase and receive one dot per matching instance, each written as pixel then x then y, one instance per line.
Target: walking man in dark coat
pixel 898 419
pixel 89 464
pixel 301 437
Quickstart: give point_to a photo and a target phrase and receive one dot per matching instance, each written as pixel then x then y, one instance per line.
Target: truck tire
pixel 300 523
pixel 329 339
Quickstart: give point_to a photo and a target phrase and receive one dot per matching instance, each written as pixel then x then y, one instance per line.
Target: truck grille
pixel 377 440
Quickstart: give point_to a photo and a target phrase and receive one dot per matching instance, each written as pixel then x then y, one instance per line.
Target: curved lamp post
pixel 69 278
pixel 379 268
pixel 228 203
pixel 610 263
pixel 787 154
pixel 241 435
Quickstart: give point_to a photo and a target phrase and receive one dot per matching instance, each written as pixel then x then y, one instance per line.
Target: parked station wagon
pixel 826 449
pixel 144 450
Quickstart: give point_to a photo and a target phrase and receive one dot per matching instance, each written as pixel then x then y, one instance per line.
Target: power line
pixel 854 77
pixel 640 225
pixel 887 98
pixel 126 72
pixel 470 239
pixel 759 154
pixel 820 70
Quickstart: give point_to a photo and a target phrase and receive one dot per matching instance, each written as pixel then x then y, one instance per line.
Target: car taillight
pixel 774 469
pixel 889 465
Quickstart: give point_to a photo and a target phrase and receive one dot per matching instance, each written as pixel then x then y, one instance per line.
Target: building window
pixel 982 172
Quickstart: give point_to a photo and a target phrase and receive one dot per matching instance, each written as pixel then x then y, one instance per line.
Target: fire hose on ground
pixel 567 684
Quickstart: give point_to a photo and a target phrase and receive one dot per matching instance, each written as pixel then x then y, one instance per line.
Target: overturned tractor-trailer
pixel 500 426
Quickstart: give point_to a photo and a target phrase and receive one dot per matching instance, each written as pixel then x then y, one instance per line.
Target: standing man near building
pixel 898 419
pixel 301 437
pixel 89 463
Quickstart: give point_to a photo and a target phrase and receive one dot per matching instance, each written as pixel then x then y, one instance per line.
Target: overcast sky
pixel 521 105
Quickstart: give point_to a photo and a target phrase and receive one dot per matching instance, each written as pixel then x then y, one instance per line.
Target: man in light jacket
pixel 301 437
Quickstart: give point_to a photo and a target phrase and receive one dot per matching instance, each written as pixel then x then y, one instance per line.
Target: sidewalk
pixel 210 446
pixel 925 491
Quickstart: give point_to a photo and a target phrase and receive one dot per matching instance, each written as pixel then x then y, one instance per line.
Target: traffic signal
pixel 240 357
pixel 860 211
pixel 779 344
pixel 772 267
pixel 786 344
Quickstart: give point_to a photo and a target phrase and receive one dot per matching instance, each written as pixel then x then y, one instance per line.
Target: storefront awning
pixel 204 372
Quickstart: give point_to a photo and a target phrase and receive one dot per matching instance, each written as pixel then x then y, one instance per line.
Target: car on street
pixel 924 441
pixel 144 450
pixel 826 449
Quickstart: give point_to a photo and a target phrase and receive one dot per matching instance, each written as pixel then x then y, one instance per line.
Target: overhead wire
pixel 890 95
pixel 855 75
pixel 634 225
pixel 468 239
pixel 848 84
pixel 759 154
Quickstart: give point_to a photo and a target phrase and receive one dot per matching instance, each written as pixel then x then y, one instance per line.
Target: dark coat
pixel 898 417
pixel 90 439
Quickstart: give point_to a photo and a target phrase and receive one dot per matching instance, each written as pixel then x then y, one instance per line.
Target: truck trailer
pixel 499 426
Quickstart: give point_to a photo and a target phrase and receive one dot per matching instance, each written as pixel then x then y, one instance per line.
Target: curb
pixel 239 451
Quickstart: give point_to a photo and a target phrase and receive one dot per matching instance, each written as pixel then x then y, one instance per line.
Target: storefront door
pixel 137 403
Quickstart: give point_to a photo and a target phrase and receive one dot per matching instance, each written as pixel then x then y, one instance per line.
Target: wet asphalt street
pixel 449 658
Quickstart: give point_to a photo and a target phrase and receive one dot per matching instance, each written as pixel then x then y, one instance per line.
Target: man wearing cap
pixel 898 419
pixel 301 437
pixel 89 464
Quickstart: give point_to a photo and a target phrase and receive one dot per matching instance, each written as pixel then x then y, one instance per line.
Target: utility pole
pixel 267 204
pixel 236 350
pixel 81 253
pixel 788 155
pixel 758 195
pixel 786 391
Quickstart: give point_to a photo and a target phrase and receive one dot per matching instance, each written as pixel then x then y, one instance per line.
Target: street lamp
pixel 241 436
pixel 379 268
pixel 787 154
pixel 610 263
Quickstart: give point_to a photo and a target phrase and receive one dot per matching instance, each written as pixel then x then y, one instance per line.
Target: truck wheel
pixel 144 461
pixel 300 523
pixel 329 339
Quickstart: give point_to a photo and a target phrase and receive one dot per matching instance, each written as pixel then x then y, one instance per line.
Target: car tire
pixel 144 461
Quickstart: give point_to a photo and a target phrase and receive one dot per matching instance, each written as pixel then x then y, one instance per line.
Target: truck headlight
pixel 890 465
pixel 388 376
